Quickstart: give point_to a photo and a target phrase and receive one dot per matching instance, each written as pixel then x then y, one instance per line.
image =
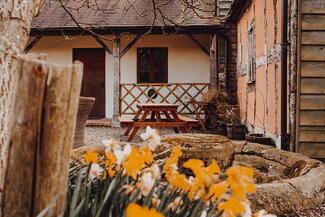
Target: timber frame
pixel 140 32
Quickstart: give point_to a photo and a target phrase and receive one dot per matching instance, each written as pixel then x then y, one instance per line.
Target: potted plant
pixel 235 129
pixel 217 102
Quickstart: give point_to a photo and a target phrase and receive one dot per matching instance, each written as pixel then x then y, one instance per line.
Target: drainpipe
pixel 284 75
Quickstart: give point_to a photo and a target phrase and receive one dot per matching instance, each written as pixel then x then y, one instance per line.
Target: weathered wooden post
pixel 116 81
pixel 41 137
pixel 214 61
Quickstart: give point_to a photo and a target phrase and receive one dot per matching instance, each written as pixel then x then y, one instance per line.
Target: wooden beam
pixel 102 43
pixel 199 44
pixel 32 44
pixel 129 45
pixel 214 61
pixel 116 81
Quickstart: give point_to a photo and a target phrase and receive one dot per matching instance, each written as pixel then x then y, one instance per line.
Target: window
pixel 251 66
pixel 152 65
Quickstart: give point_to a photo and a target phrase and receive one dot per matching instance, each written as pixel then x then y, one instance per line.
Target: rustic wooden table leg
pixel 135 130
pixel 176 118
pixel 136 116
pixel 207 115
pixel 170 119
pixel 153 115
pixel 202 122
pixel 158 117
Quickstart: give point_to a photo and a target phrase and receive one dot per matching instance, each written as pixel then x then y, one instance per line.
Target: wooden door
pixel 93 83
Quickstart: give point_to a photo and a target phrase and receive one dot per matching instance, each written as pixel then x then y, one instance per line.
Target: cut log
pixel 41 138
pixel 24 137
pixel 58 127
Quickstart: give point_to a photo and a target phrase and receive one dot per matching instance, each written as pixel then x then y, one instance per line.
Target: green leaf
pixel 108 192
pixel 75 194
pixel 79 207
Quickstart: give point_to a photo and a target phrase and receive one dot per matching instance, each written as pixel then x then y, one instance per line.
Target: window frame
pixel 165 68
pixel 251 54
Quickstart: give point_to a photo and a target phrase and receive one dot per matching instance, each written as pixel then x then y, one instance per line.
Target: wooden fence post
pixel 41 138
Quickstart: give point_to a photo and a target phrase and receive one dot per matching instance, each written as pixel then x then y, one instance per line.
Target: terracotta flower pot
pixel 236 131
pixel 85 106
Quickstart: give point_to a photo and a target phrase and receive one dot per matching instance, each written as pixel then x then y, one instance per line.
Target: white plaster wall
pixel 187 63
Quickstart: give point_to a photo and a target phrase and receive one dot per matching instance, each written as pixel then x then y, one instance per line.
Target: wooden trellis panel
pixel 173 93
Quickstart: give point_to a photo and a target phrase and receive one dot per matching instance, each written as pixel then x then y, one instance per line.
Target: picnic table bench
pixel 199 108
pixel 161 115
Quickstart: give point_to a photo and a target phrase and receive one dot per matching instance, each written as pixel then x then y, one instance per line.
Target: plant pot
pixel 259 138
pixel 236 131
pixel 84 108
pixel 222 128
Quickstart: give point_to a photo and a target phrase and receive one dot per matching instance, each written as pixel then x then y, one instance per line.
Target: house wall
pixel 310 132
pixel 187 63
pixel 260 101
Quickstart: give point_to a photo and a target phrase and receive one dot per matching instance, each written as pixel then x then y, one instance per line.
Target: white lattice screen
pixel 173 93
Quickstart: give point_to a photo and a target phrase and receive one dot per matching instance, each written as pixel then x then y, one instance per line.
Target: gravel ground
pixel 94 136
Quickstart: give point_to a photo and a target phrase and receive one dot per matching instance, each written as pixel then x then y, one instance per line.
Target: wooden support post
pixel 32 44
pixel 43 125
pixel 214 61
pixel 103 44
pixel 199 44
pixel 129 45
pixel 116 81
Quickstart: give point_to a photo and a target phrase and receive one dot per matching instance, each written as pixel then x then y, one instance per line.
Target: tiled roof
pixel 122 13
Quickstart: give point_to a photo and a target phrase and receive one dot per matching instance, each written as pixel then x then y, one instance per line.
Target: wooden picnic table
pixel 161 115
pixel 201 108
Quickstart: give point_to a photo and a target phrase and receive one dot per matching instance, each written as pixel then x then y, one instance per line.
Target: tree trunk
pixel 16 17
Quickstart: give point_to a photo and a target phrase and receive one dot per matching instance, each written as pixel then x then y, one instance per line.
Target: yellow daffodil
pixel 175 204
pixel 152 137
pixel 146 183
pixel 154 170
pixel 217 190
pixel 239 179
pixel 135 210
pixel 231 207
pixel 91 157
pixel 111 163
pixel 203 174
pixel 121 155
pixel 111 144
pixel 147 155
pixel 171 162
pixel 179 181
pixel 95 171
pixel 134 163
pixel 213 168
pixel 197 191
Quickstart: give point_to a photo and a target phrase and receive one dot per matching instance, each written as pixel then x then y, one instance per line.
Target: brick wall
pixel 227 76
